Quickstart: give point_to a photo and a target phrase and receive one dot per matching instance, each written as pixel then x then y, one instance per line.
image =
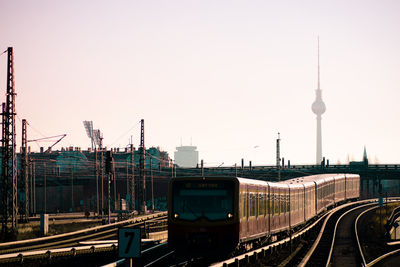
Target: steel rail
pixel 49 252
pixel 364 263
pixel 119 262
pixel 270 246
pixel 108 233
pixel 316 242
pixel 72 238
pixel 283 241
pixel 334 231
pixel 383 257
pixel 84 231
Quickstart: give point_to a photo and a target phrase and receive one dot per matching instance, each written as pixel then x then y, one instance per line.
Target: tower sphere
pixel 318 107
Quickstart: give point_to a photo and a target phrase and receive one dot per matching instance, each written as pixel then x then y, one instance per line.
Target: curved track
pixel 344 250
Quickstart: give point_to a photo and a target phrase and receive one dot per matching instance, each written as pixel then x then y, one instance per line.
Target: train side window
pixel 280 203
pixel 273 203
pixel 264 201
pixel 252 204
pixel 247 205
pixel 258 204
pixel 270 201
pixel 288 202
pixel 241 204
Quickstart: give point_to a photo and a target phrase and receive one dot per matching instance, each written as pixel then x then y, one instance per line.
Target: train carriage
pixel 296 204
pixel 279 207
pixel 215 213
pixel 340 185
pixel 352 186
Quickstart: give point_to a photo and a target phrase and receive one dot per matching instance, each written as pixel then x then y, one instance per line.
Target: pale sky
pixel 228 75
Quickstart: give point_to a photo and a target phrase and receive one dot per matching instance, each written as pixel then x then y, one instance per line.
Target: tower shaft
pixel 319 141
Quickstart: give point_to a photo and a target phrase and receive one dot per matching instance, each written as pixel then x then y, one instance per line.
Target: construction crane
pixel 50 137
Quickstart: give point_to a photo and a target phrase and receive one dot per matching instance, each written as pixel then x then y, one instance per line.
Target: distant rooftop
pixel 186 148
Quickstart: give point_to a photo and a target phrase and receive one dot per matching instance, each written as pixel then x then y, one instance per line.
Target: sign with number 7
pixel 128 243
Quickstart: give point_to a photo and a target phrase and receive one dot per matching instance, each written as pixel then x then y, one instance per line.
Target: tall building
pixel 318 107
pixel 186 156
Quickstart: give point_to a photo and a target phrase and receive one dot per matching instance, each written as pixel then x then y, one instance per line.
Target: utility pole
pixel 152 183
pixel 72 188
pixel 127 183
pixel 110 175
pixel 236 173
pixel 114 180
pixel 96 170
pixel 278 156
pixel 45 188
pixel 202 168
pixel 142 177
pixel 34 186
pixel 102 175
pixel 24 173
pixel 9 178
pixel 132 185
pixel 31 186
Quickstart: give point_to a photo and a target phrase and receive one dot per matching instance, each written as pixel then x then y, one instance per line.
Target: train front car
pixel 203 215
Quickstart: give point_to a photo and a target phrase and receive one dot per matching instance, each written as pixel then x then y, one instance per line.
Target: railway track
pixel 70 243
pixel 343 249
pixel 282 253
pixel 375 253
pixel 335 245
pixel 350 242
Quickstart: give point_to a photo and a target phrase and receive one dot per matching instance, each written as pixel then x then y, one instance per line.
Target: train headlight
pixel 176 215
pixel 230 215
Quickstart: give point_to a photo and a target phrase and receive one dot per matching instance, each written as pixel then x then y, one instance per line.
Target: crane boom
pixel 50 137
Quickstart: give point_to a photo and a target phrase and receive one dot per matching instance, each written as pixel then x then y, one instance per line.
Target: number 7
pixel 130 235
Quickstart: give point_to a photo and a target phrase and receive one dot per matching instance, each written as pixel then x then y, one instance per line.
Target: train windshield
pixel 212 200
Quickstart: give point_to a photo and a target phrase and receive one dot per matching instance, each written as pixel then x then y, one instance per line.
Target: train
pixel 226 214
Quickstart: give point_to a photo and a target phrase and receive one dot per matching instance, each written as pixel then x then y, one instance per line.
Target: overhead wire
pixel 130 129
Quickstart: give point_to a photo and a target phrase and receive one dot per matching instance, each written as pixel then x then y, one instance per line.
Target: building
pixel 186 156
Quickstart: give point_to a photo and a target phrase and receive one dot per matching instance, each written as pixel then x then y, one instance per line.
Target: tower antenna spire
pixel 318 66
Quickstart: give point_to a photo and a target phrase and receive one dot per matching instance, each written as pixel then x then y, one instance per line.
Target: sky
pixel 225 76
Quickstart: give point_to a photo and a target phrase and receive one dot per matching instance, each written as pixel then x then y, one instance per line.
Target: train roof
pixel 319 178
pixel 299 181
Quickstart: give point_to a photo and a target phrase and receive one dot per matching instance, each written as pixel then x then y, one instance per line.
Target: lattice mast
pixel 142 177
pixel 9 163
pixel 132 179
pixel 24 173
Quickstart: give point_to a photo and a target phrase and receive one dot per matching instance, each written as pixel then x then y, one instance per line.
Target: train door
pixel 247 211
pixel 272 208
pixel 316 193
pixel 243 210
pixel 269 208
pixel 289 208
pixel 304 202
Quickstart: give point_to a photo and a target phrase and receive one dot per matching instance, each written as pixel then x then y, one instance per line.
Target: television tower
pixel 318 107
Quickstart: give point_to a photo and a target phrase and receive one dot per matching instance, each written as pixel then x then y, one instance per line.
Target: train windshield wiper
pixel 190 210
